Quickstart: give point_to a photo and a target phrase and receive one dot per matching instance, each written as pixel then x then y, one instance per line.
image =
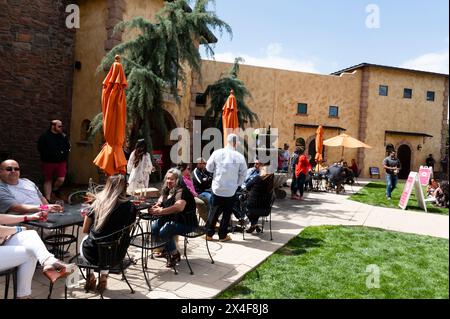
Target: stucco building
pixel 51 72
pixel 380 105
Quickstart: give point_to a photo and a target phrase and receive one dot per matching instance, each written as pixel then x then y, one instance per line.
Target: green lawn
pixel 331 262
pixel 374 193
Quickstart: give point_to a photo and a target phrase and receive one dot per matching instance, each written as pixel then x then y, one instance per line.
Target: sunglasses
pixel 10 169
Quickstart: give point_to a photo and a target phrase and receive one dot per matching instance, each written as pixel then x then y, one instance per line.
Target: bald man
pixel 20 195
pixel 54 148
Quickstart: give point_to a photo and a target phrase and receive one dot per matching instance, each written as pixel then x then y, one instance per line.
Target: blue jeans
pixel 207 196
pixel 391 182
pixel 167 230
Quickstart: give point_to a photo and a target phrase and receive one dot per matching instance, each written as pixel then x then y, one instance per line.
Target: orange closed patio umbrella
pixel 111 158
pixel 319 144
pixel 229 117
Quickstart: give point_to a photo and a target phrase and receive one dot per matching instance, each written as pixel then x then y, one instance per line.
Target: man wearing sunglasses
pixel 54 148
pixel 20 195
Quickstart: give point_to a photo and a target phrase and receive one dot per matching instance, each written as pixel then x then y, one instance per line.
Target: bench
pixel 374 171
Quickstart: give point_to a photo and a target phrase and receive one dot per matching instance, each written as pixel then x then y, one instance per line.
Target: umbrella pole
pixel 342 154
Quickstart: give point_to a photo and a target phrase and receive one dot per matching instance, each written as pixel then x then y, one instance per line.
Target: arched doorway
pixel 312 151
pixel 404 155
pixel 162 144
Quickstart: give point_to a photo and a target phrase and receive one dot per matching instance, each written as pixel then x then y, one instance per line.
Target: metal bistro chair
pixel 265 213
pixel 112 250
pixel 7 273
pixel 61 240
pixel 199 229
pixel 143 238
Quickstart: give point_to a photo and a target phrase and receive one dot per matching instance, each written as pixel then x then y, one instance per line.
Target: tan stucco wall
pixel 90 49
pixel 395 113
pixel 86 100
pixel 276 93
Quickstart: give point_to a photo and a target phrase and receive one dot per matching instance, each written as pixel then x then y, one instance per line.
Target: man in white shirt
pixel 229 168
pixel 20 195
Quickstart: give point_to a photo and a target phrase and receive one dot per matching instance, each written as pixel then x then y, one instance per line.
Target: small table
pixel 58 222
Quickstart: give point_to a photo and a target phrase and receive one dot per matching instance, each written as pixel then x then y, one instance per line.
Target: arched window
pixel 84 130
pixel 300 142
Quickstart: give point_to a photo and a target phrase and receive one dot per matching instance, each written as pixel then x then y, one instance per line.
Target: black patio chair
pixel 143 238
pixel 199 229
pixel 265 213
pixel 8 273
pixel 112 250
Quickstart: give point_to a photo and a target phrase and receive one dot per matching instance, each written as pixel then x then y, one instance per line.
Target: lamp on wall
pixel 419 147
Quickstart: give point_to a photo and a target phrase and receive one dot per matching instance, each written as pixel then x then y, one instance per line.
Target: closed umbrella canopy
pixel 345 140
pixel 229 116
pixel 111 158
pixel 319 144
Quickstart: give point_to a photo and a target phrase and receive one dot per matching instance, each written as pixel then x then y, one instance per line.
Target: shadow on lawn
pixel 299 246
pixel 375 185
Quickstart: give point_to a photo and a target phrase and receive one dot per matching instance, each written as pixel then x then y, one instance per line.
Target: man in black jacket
pixel 202 180
pixel 54 148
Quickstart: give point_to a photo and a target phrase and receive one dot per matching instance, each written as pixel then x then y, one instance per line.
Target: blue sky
pixel 329 35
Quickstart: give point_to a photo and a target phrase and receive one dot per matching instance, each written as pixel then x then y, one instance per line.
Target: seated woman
pixel 433 185
pixel 110 212
pixel 259 197
pixel 23 248
pixel 442 195
pixel 354 167
pixel 176 208
pixel 202 205
pixel 349 175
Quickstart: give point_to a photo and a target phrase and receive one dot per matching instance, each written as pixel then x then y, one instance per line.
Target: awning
pixel 417 134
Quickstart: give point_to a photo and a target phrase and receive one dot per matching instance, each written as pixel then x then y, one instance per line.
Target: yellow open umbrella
pixel 345 140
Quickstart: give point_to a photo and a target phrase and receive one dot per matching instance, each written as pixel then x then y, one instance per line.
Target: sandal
pixel 58 270
pixel 160 254
pixel 251 229
pixel 90 282
pixel 102 282
pixel 172 260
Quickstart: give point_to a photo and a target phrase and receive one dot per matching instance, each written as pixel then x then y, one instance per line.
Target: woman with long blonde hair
pixel 110 212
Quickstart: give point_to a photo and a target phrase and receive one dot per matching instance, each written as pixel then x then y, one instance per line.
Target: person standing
pixel 301 170
pixel 285 157
pixel 294 161
pixel 54 148
pixel 430 163
pixel 392 166
pixel 139 167
pixel 228 167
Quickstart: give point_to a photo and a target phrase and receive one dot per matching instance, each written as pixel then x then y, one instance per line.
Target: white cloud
pixel 273 59
pixel 432 62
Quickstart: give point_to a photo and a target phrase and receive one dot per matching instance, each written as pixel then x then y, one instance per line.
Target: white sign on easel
pixel 425 173
pixel 412 182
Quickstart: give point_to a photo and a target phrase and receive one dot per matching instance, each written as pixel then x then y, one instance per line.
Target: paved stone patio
pixel 234 259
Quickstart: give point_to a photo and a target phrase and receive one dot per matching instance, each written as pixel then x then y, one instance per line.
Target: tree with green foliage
pixel 160 56
pixel 219 92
